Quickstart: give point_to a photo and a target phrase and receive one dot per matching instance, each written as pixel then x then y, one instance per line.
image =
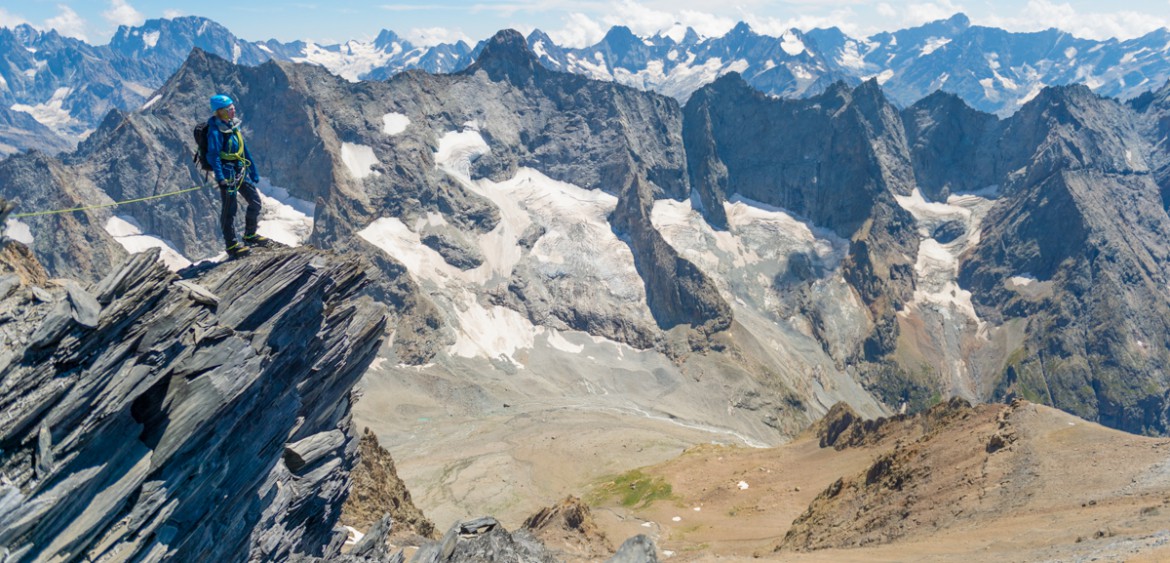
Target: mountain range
pixel 543 279
pixel 67 86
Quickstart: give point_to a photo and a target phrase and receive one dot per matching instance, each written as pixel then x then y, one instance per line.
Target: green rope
pixel 117 203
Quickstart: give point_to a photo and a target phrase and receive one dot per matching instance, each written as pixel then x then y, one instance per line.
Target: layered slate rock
pixel 197 419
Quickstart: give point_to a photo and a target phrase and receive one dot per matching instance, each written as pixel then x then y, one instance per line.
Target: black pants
pixel 227 217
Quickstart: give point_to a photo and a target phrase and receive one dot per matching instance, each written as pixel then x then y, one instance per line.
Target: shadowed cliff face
pixel 837 160
pixel 196 419
pixel 1077 247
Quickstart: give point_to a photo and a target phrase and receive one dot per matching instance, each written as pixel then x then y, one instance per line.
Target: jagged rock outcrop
pixel 378 492
pixel 196 417
pixel 484 539
pixel 569 527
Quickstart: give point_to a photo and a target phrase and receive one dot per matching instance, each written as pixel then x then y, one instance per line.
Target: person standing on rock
pixel 235 172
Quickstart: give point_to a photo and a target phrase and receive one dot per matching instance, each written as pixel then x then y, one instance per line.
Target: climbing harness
pixel 237 156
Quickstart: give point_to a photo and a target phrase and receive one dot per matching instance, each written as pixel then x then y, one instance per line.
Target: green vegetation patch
pixel 633 489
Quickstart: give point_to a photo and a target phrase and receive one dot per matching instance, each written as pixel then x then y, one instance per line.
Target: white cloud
pixel 67 23
pixel 172 14
pixel 886 10
pixel 122 13
pixel 704 23
pixel 431 36
pixel 10 20
pixel 918 14
pixel 842 18
pixel 580 31
pixel 646 21
pixel 1043 14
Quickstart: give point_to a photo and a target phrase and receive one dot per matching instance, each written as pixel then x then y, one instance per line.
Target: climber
pixel 235 171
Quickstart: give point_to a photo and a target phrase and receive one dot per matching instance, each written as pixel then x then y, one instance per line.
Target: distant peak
pixel 741 28
pixel 385 38
pixel 959 20
pixel 619 33
pixel 538 35
pixel 507 56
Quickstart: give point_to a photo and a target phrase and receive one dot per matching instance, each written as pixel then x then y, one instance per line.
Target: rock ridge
pixel 202 416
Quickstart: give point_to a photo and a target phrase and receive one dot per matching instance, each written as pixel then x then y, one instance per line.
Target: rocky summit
pixel 200 416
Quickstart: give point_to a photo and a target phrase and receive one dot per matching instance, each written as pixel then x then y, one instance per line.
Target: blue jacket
pixel 222 138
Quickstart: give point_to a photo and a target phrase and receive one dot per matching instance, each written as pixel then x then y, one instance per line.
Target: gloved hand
pixel 229 186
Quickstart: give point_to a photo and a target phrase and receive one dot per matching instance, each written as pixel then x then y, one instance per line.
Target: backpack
pixel 200 133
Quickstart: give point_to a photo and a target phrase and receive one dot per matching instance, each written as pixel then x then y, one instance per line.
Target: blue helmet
pixel 220 101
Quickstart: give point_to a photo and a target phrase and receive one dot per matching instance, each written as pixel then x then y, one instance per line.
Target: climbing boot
pixel 257 240
pixel 237 250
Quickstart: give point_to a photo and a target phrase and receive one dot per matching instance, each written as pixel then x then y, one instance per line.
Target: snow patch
pixel 152 101
pixel 1035 91
pixel 494 332
pixel 538 49
pixel 350 61
pixel 791 44
pixel 394 238
pixel 933 44
pixel 394 123
pixel 737 66
pixel 150 38
pixel 1023 280
pixel 52 113
pixel 359 159
pixel 597 71
pixel 18 231
pixel 284 218
pixel 236 52
pixel 457 150
pixel 558 341
pixel 354 536
pixel 1070 52
pixel 989 90
pixel 129 234
pixel 850 56
pixel 938 298
pixel 1007 82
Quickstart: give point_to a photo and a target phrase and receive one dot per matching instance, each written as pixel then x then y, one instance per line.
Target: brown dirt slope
pixel 1018 482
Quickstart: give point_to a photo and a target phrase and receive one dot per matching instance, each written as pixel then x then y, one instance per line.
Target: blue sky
pixel 578 22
